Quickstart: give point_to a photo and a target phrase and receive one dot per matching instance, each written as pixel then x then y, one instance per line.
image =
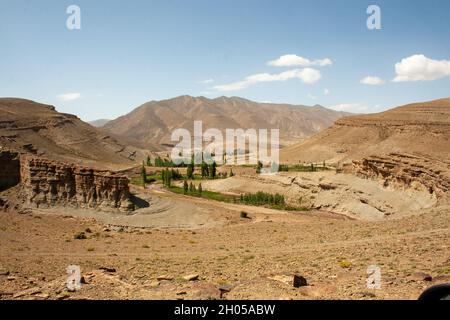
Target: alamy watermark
pixel 241 147
pixel 74 278
pixel 374 20
pixel 73 21
pixel 373 277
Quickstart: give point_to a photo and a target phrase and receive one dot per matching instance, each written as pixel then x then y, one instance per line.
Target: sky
pixel 300 52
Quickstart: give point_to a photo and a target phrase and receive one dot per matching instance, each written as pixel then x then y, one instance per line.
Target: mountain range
pixel 153 122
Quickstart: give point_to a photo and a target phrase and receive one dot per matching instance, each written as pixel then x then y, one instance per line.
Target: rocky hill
pixel 38 129
pixel 154 121
pixel 421 129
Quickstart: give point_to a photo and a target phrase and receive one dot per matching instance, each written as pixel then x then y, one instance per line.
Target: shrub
pixel 244 215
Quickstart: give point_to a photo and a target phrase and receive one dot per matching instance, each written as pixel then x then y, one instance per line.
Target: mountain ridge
pixel 153 121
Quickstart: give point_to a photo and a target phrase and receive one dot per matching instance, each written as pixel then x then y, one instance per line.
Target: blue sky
pixel 130 52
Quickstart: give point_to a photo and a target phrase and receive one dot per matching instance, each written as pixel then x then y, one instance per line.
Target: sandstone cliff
pixel 403 171
pixel 46 183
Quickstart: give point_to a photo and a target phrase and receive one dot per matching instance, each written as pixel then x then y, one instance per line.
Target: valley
pixel 72 194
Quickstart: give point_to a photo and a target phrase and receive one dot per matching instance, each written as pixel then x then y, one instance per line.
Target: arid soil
pixel 339 193
pixel 242 256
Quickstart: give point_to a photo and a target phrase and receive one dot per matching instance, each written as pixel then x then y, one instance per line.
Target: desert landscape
pixel 224 150
pixel 63 206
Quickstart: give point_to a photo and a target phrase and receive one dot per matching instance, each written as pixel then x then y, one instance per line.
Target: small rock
pixel 420 276
pixel 63 296
pixel 191 277
pixel 164 277
pixel 4 272
pixel 299 281
pixel 154 284
pixel 43 295
pixel 11 278
pixel 108 269
pixel 365 294
pixel 179 293
pixel 295 280
pixel 225 288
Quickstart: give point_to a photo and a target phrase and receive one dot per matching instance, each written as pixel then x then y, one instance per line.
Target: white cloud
pixel 312 97
pixel 326 92
pixel 351 107
pixel 206 81
pixel 307 75
pixel 420 68
pixel 290 60
pixel 69 96
pixel 372 81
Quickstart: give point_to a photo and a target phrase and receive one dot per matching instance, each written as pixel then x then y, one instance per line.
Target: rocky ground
pixel 234 258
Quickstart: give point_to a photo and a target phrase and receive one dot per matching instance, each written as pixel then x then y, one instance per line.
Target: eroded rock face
pixel 403 171
pixel 46 183
pixel 9 169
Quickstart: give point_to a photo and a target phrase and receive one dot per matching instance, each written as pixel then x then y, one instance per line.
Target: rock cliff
pixel 403 171
pixel 46 183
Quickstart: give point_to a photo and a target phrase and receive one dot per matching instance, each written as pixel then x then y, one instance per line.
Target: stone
pixel 154 284
pixel 4 272
pixel 224 289
pixel 420 276
pixel 108 269
pixel 191 277
pixel 47 183
pixel 299 281
pixel 164 277
pixel 295 280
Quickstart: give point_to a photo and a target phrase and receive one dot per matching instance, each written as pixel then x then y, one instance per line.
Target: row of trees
pixel 191 189
pixel 168 175
pixel 261 198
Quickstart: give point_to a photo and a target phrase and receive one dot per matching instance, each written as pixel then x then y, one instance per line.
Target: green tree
pixel 200 189
pixel 212 170
pixel 190 171
pixel 204 169
pixel 259 167
pixel 231 173
pixel 143 175
pixel 149 161
pixel 185 187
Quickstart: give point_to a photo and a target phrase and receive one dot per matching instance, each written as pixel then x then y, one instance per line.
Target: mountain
pixel 98 123
pixel 418 129
pixel 36 128
pixel 154 121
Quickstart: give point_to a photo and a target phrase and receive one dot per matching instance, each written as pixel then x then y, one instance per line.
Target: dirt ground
pixel 146 255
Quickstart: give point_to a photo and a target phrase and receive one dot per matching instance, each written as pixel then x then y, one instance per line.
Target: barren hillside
pixel 154 121
pixel 35 128
pixel 419 129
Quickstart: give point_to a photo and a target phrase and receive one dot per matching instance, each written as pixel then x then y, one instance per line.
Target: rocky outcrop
pixel 49 183
pixel 9 169
pixel 406 171
pixel 46 183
